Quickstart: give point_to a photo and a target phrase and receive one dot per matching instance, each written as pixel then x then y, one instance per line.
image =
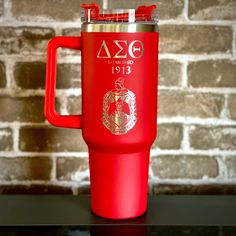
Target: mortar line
pixel 226 169
pixel 40 182
pixel 150 172
pixel 16 129
pixel 12 154
pixel 9 69
pixel 222 167
pixel 185 10
pixel 105 4
pixel 77 91
pixel 184 82
pixel 225 111
pixel 39 92
pixel 153 153
pixel 53 170
pixel 63 104
pixel 84 183
pixel 6 11
pixel 196 121
pixel 192 90
pixel 67 58
pixel 9 21
pixel 160 120
pixel 154 181
pixel 196 57
pixel 198 22
pixel 11 76
pixel 234 41
pixel 192 152
pixel 58 31
pixel 194 182
pixel 74 190
pixel 185 140
pixel 65 183
pixel 79 176
pixel 22 124
pixel 38 21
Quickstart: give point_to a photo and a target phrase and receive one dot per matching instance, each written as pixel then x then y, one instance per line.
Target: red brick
pixel 2 75
pixel 25 168
pixel 68 167
pixel 169 136
pixel 220 73
pixel 24 39
pixel 205 137
pixel 31 75
pixel 74 105
pixel 170 9
pixel 195 39
pixel 69 75
pixel 60 10
pixel 6 139
pixel 232 106
pixel 25 109
pixel 167 77
pixel 71 32
pixel 47 139
pixel 184 167
pixel 212 9
pixel 200 105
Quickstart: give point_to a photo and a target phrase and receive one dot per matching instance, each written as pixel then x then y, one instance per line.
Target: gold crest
pixel 119 109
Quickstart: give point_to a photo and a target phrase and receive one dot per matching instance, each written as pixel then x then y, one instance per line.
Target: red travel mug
pixel 119 104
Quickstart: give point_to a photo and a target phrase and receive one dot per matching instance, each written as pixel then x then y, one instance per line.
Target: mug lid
pixel 143 14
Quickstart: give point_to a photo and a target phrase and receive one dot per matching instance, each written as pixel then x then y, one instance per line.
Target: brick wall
pixel 195 151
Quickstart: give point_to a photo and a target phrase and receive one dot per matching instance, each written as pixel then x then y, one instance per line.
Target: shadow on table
pixel 120 230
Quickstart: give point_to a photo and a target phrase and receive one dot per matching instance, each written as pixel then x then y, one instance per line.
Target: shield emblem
pixel 119 110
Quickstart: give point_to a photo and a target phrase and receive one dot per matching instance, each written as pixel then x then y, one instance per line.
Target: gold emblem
pixel 119 109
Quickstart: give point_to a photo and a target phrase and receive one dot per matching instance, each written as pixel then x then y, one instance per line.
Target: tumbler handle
pixel 67 121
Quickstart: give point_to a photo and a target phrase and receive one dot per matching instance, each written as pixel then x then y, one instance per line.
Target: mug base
pixel 119 184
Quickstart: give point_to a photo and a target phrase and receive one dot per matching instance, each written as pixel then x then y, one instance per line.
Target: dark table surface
pixel 166 215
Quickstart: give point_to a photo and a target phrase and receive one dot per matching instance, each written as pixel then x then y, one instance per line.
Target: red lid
pixel 142 13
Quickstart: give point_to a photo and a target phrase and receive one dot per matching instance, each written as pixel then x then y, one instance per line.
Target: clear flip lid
pixel 143 14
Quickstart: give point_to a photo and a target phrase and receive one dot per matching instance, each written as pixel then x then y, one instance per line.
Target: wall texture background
pixel 195 151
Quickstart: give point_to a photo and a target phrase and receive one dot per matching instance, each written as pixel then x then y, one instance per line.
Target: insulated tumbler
pixel 119 51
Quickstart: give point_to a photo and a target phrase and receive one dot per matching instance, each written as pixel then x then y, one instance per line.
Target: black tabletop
pixel 66 210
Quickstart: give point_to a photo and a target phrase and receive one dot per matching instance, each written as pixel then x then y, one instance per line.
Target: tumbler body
pixel 119 110
pixel 119 107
